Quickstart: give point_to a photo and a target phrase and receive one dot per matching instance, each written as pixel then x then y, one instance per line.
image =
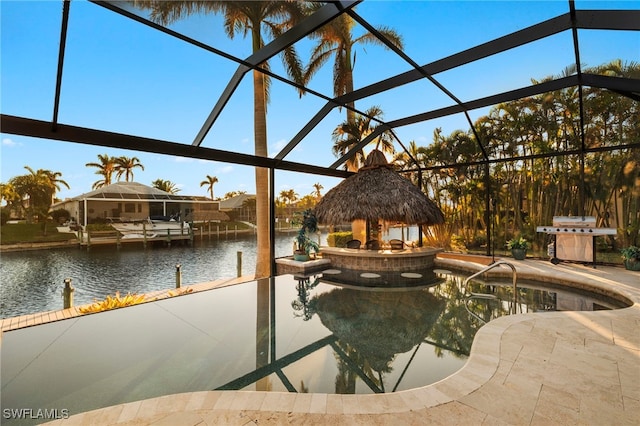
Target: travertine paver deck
pixel 531 369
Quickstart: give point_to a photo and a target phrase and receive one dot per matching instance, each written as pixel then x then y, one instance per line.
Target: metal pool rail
pixel 514 277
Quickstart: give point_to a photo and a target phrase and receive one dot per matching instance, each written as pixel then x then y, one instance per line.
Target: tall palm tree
pixel 336 39
pixel 166 186
pixel 257 19
pixel 106 166
pixel 350 133
pixel 125 166
pixel 209 182
pixel 346 136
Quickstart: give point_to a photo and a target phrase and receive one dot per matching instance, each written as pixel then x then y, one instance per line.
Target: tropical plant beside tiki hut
pixel 376 192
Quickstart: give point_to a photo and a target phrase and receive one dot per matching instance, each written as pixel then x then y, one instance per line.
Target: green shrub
pixel 339 239
pixel 60 215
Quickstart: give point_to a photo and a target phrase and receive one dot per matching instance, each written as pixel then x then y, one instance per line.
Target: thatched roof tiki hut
pixel 377 193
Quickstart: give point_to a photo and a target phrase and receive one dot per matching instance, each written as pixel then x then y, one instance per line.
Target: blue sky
pixel 123 77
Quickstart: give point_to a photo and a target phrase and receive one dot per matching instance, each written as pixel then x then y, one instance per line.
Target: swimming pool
pixel 278 334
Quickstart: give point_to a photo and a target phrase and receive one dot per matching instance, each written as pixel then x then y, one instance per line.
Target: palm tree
pixel 411 159
pixel 307 202
pixel 8 193
pixel 248 17
pixel 106 167
pixel 317 187
pixel 232 194
pixel 38 189
pixel 209 181
pixel 125 165
pixel 49 180
pixel 350 133
pixel 336 39
pixel 166 186
pixel 290 197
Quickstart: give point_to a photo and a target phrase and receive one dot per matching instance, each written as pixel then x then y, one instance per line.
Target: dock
pixel 114 237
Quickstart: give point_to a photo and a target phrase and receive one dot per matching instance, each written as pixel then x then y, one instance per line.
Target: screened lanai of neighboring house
pixel 459 65
pixel 135 201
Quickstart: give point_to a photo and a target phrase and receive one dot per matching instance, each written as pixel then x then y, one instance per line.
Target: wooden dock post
pixel 168 237
pixel 239 265
pixel 118 240
pixel 178 275
pixel 67 294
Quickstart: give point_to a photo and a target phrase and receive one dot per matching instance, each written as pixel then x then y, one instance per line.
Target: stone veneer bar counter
pixel 405 260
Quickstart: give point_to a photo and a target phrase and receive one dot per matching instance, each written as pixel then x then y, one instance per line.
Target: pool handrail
pixel 491 266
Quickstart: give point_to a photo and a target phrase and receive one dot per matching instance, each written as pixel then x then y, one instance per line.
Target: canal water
pixel 32 281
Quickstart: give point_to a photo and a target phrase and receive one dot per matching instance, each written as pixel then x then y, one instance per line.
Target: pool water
pixel 277 334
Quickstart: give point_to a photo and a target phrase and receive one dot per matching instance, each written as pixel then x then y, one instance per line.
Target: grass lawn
pixel 31 233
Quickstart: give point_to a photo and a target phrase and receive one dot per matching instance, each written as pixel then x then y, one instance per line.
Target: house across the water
pixel 134 201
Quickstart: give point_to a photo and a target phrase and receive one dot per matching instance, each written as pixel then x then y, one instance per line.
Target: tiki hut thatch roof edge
pixel 375 193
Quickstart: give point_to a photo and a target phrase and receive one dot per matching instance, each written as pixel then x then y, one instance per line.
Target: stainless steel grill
pixel 574 237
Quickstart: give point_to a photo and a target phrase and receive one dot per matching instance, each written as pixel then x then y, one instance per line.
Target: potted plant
pixel 308 225
pixel 631 258
pixel 518 246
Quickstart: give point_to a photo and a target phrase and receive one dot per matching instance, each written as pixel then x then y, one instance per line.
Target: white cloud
pixel 8 142
pixel 183 160
pixel 225 169
pixel 279 145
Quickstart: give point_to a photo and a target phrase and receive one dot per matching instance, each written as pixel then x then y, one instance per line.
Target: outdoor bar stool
pixel 354 244
pixel 397 244
pixel 373 245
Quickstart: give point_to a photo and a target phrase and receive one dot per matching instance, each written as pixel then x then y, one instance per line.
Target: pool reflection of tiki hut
pixel 377 192
pixel 378 325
